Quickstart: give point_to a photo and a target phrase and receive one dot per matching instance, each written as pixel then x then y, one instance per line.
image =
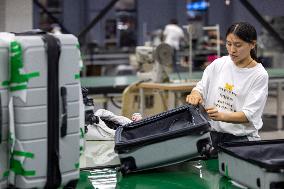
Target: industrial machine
pixel 160 58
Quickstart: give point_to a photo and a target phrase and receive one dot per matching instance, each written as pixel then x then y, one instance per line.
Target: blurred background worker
pixel 173 35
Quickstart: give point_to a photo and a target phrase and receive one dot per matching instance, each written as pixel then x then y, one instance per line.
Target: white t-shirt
pixel 173 34
pixel 230 88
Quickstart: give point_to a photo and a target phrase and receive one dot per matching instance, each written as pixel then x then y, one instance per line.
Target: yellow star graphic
pixel 229 87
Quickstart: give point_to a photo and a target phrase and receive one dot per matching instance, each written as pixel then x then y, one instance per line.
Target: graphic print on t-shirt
pixel 226 98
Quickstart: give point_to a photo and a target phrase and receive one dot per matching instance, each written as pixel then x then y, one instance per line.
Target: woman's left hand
pixel 214 114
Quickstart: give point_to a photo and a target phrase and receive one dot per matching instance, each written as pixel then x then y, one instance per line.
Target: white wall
pixel 16 15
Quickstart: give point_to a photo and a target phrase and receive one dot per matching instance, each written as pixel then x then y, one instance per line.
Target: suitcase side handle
pixel 63 91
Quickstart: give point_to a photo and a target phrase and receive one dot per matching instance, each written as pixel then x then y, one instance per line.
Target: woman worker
pixel 234 88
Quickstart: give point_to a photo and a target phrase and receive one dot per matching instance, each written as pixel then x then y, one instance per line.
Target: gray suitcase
pixel 255 164
pixel 167 138
pixel 47 130
pixel 3 115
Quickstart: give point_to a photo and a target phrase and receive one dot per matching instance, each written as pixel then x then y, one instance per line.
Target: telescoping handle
pixel 64 112
pixel 31 32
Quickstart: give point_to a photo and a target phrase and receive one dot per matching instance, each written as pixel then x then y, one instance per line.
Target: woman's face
pixel 238 49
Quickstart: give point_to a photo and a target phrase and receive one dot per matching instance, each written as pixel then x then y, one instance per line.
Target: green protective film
pixel 77 165
pixel 6 173
pixel 82 134
pixel 77 76
pixel 5 83
pixel 18 169
pixel 18 80
pixel 23 154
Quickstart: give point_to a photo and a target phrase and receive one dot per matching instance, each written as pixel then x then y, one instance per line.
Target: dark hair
pixel 245 32
pixel 174 21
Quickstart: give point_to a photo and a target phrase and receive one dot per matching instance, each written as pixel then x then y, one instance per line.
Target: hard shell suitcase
pixel 46 146
pixel 167 138
pixel 4 97
pixel 255 164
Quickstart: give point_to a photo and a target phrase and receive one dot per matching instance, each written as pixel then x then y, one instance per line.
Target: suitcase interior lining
pixel 179 122
pixel 186 120
pixel 171 123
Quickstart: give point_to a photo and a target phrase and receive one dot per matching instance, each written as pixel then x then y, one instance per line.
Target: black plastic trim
pixel 53 179
pixel 63 92
pixel 277 185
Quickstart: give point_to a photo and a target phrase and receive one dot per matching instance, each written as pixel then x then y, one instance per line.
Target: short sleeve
pixel 255 101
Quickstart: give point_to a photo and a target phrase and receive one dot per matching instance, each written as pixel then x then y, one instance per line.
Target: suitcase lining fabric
pixel 182 121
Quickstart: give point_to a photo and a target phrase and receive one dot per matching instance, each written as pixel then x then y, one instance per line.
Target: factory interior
pixel 128 94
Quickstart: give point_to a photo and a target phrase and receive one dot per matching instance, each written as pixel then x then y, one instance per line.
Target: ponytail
pixel 253 53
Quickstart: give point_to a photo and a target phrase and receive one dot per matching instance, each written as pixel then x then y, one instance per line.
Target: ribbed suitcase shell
pixel 167 138
pixel 31 116
pixel 255 164
pixel 4 110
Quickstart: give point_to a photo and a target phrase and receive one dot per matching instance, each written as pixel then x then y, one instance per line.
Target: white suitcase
pixel 4 56
pixel 255 164
pixel 46 118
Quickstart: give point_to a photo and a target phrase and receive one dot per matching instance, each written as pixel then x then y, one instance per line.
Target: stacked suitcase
pixel 46 138
pixel 3 115
pixel 167 138
pixel 255 164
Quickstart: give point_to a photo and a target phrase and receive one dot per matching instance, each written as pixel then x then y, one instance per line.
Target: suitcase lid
pixel 181 121
pixel 268 154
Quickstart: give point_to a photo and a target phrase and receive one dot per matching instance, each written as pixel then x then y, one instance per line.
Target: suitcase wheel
pixel 205 148
pixel 127 164
pixel 71 185
pixel 124 169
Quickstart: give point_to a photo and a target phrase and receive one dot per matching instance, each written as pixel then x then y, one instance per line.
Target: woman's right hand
pixel 194 98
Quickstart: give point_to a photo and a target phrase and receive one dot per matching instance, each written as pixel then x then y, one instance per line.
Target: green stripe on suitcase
pixel 16 64
pixel 18 169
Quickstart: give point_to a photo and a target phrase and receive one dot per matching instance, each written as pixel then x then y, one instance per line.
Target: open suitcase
pixel 255 164
pixel 3 116
pixel 46 146
pixel 166 138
